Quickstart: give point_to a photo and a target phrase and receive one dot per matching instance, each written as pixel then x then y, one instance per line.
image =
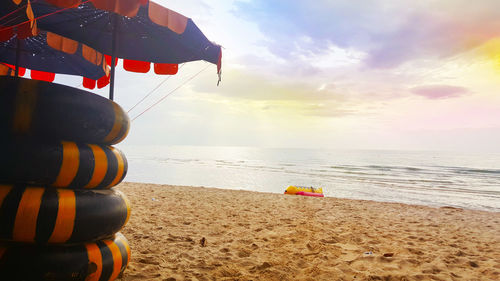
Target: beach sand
pixel 193 233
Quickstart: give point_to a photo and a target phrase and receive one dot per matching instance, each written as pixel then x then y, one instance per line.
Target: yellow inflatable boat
pixel 305 191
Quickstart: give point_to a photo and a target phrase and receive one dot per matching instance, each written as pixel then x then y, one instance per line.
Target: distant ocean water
pixel 466 180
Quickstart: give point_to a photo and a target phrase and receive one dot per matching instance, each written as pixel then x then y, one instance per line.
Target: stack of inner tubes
pixel 59 217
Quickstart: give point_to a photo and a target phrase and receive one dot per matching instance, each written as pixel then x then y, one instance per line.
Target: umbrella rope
pixel 14 18
pixel 15 11
pixel 171 92
pixel 44 16
pixel 152 91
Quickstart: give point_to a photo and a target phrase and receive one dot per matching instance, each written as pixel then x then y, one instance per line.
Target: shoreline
pixel 339 198
pixel 205 233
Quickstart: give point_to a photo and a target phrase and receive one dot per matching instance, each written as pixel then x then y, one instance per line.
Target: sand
pixel 193 233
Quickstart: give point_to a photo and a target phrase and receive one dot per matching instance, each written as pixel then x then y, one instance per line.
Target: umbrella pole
pixel 18 55
pixel 113 58
pixel 112 78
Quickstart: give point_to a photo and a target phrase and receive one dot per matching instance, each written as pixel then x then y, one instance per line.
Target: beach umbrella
pixel 149 33
pixel 16 17
pixel 140 32
pixel 36 53
pixel 45 53
pixel 16 20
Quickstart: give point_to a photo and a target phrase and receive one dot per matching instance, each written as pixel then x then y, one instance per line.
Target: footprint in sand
pixel 149 260
pixel 473 264
pixel 332 240
pixel 264 265
pixel 244 254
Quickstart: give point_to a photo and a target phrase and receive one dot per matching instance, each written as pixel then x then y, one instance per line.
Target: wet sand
pixel 193 233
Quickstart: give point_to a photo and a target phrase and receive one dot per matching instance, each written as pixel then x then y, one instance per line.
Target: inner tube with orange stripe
pixel 62 164
pixel 55 216
pixel 96 261
pixel 44 110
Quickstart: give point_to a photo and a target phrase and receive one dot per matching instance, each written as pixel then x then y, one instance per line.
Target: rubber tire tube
pixel 102 260
pixel 43 110
pixel 60 216
pixel 61 164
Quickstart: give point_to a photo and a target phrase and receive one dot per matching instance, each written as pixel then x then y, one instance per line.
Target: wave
pixel 409 178
pixel 477 171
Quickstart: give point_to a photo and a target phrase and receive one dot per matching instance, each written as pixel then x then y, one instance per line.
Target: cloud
pixel 390 32
pixel 254 86
pixel 439 91
pixel 330 110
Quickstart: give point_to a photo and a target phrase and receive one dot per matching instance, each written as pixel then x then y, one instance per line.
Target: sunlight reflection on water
pixel 467 180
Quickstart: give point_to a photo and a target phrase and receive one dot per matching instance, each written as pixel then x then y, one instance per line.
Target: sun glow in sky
pixel 371 74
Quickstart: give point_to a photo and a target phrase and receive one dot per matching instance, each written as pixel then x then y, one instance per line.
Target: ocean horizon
pixel 469 180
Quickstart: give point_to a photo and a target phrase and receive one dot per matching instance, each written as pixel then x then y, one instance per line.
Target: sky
pixel 343 74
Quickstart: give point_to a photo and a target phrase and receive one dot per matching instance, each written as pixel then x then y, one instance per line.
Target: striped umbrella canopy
pixel 24 45
pixel 41 54
pixel 140 32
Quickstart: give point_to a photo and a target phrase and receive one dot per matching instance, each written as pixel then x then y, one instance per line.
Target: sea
pixel 469 180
